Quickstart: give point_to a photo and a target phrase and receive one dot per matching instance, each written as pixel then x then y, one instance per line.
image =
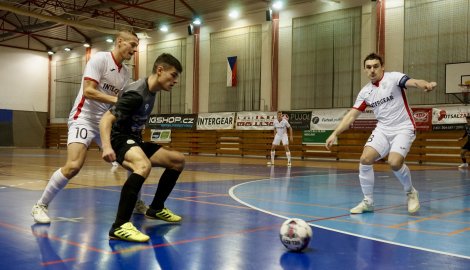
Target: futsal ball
pixel 295 234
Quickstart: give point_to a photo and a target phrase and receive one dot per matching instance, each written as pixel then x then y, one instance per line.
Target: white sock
pixel 273 153
pixel 403 174
pixel 288 156
pixel 366 177
pixel 56 184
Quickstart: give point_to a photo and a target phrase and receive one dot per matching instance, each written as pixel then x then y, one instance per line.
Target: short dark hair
pixel 374 56
pixel 468 116
pixel 167 60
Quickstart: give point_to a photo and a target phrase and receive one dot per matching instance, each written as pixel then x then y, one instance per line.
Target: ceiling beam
pixel 43 17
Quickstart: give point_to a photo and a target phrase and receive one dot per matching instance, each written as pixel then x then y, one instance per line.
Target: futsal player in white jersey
pixel 394 133
pixel 281 125
pixel 103 81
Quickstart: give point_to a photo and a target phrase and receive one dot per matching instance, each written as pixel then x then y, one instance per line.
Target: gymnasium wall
pixel 23 74
pixel 23 97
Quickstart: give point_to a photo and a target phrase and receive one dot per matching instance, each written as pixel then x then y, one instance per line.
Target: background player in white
pixel 394 133
pixel 103 81
pixel 281 125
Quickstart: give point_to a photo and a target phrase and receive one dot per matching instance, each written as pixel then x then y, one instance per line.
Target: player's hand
pixel 329 142
pixel 108 154
pixel 429 86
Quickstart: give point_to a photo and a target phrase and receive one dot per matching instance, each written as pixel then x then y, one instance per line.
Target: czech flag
pixel 231 71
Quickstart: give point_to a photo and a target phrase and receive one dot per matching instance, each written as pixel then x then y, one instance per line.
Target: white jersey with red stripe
pixel 387 99
pixel 110 76
pixel 281 127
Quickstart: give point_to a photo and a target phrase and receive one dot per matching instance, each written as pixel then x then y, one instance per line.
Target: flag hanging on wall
pixel 231 71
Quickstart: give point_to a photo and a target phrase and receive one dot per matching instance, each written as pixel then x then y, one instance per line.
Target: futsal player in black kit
pixel 121 134
pixel 466 146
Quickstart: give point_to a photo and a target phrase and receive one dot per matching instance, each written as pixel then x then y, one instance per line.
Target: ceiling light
pixel 109 40
pixel 67 49
pixel 234 14
pixel 86 45
pixel 50 52
pixel 164 28
pixel 197 21
pixel 277 5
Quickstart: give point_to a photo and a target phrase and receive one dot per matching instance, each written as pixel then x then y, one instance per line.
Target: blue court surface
pixel 232 212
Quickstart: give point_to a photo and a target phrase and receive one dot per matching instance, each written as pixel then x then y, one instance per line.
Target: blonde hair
pixel 125 33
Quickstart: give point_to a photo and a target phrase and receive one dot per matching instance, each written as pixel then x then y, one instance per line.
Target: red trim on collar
pixel 119 65
pixel 378 82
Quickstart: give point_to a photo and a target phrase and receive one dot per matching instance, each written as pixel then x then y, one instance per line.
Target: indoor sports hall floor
pixel 232 209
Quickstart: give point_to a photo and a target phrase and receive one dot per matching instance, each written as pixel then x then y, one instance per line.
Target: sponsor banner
pixel 255 120
pixel 448 127
pixel 172 121
pixel 299 120
pixel 449 118
pixel 365 121
pixel 423 118
pixel 315 136
pixel 213 121
pixel 160 135
pixel 326 119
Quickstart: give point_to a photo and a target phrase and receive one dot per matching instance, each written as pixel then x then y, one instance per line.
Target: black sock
pixel 129 193
pixel 165 186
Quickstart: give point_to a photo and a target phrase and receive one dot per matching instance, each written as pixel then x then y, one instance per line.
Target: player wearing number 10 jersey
pixel 103 80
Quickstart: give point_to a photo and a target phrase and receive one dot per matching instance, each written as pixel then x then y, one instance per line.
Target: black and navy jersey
pixel 133 108
pixel 467 131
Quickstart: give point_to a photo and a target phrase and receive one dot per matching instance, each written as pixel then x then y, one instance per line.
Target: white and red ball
pixel 295 234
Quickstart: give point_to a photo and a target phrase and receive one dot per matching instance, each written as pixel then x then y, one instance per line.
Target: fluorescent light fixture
pixel 86 45
pixel 109 40
pixel 50 52
pixel 67 49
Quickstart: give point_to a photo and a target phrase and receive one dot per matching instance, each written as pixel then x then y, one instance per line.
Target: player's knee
pixel 178 161
pixel 395 165
pixel 71 169
pixel 143 168
pixel 365 160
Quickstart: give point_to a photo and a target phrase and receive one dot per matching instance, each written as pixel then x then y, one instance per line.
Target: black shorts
pixel 466 146
pixel 123 142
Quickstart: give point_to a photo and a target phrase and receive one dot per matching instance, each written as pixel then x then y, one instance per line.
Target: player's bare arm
pixel 348 119
pixel 105 132
pixel 291 136
pixel 425 85
pixel 90 90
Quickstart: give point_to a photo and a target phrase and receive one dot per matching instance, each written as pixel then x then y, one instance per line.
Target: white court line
pixel 22 184
pixel 231 193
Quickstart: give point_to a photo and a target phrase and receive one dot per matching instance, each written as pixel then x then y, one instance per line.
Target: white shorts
pixel 83 132
pixel 386 142
pixel 277 139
